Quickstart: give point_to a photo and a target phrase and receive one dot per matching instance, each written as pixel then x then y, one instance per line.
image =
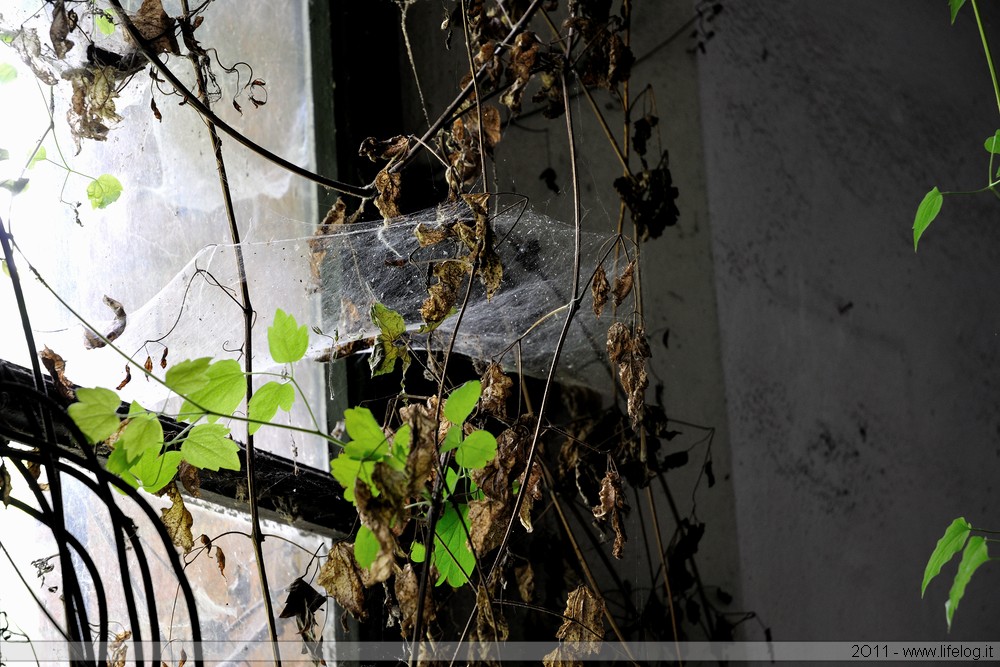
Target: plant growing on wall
pixel 443 479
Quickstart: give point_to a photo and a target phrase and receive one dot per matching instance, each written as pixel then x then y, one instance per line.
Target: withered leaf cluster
pixel 612 509
pixel 606 60
pixel 178 520
pixel 157 28
pixel 463 143
pixel 407 589
pixel 651 198
pixel 581 632
pixel 496 390
pixel 629 351
pixel 388 180
pixel 341 577
pixel 480 255
pixel 56 367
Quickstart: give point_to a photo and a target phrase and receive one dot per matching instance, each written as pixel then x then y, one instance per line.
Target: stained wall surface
pixel 860 378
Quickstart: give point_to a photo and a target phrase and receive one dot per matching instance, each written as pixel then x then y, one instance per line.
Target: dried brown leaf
pixel 303 600
pixel 444 293
pixel 29 47
pixel 619 343
pixel 525 576
pixel 532 491
pixel 189 477
pixel 381 516
pixel 163 357
pixel 488 521
pixel 178 520
pixel 588 611
pixel 63 23
pixel 5 485
pixel 118 649
pixel 155 109
pixel 319 244
pixel 612 508
pixel 523 57
pixel 148 365
pixel 651 198
pixel 220 559
pixel 92 341
pixel 496 390
pixel 127 379
pixel 387 149
pixel 155 27
pixel 422 460
pixel 623 283
pixel 599 289
pixel 341 577
pixel 407 588
pixel 56 367
pixel 387 201
pixel 427 235
pixel 491 626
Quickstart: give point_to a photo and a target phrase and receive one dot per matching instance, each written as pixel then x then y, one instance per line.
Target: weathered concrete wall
pixel 861 379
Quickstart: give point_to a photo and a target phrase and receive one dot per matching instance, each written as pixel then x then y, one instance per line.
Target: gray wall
pixel 861 379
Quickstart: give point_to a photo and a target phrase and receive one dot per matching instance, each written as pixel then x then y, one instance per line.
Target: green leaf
pixel 974 555
pixel 188 376
pixel 265 402
pixel 156 471
pixel 347 471
pixel 926 212
pixel 4 154
pixel 992 144
pixel 6 270
pixel 7 37
pixel 955 5
pixel 206 446
pixel 7 73
pixel 286 340
pixel 366 547
pixel 418 554
pixel 222 394
pixel 452 439
pixel 462 401
pixel 389 322
pixel 383 359
pixel 368 442
pixel 119 464
pixel 104 191
pixel 142 434
pixel 452 555
pixel 477 449
pixel 400 449
pixel 104 24
pixel 950 544
pixel 95 413
pixel 37 157
pixel 16 187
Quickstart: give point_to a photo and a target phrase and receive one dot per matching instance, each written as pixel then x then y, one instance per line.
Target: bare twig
pixel 212 118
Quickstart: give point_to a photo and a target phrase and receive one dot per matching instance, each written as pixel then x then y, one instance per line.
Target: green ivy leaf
pixel 104 191
pixel 156 471
pixel 7 73
pixel 188 376
pixel 462 401
pixel 16 186
pixel 390 323
pixel 452 439
pixel 286 340
pixel 119 464
pixel 955 6
pixel 452 555
pixel 37 157
pixel 222 394
pixel 368 442
pixel 104 24
pixel 95 413
pixel 926 212
pixel 400 449
pixel 950 544
pixel 265 402
pixel 347 471
pixel 975 554
pixel 477 449
pixel 992 144
pixel 142 434
pixel 206 446
pixel 366 547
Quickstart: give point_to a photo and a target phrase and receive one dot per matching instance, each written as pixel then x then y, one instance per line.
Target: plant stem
pixel 986 50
